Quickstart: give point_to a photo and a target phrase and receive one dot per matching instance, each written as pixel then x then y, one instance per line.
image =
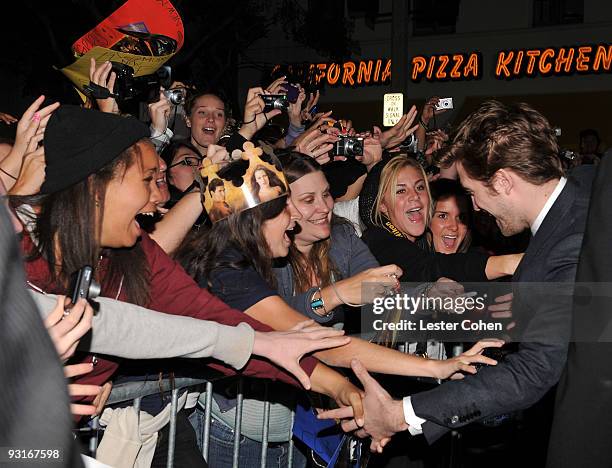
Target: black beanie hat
pixel 79 142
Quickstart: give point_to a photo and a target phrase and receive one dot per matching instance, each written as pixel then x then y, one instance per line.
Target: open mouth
pixel 208 130
pixel 289 233
pixel 449 241
pixel 415 215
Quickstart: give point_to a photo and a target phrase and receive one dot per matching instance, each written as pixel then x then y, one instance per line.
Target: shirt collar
pixel 548 205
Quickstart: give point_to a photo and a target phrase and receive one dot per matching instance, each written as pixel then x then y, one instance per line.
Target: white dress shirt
pixel 413 421
pixel 548 205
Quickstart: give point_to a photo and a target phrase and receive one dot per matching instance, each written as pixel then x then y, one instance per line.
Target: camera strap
pixel 391 229
pixel 96 91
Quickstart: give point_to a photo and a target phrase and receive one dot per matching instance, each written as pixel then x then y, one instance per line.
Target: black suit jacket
pixel 581 434
pixel 543 312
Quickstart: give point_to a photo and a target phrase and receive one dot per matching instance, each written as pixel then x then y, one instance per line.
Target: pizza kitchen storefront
pixel 563 71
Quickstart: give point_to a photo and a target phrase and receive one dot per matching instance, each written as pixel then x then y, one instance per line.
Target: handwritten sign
pixel 393 108
pixel 152 17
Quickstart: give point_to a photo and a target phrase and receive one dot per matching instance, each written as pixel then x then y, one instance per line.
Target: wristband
pixel 317 304
pixel 423 124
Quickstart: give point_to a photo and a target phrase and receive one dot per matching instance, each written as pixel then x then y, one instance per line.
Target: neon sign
pixel 509 64
pixel 456 67
pixel 558 61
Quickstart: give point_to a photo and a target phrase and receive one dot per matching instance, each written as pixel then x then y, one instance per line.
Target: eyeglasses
pixel 191 161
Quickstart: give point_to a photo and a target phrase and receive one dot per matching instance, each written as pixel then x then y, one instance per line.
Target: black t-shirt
pixel 419 265
pixel 238 288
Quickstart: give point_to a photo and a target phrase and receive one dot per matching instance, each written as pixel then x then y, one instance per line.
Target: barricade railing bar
pixel 135 391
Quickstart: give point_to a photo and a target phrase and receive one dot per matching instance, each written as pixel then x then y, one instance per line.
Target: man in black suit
pixel 507 158
pixel 582 427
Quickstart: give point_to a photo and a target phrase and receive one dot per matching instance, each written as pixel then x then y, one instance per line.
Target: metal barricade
pixel 135 391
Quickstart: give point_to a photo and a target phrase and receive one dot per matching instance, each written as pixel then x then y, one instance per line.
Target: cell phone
pixel 293 92
pixel 83 285
pixel 445 103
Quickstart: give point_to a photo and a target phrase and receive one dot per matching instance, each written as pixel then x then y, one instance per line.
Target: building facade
pixel 554 54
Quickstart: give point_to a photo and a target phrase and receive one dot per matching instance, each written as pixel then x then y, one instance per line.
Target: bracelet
pixel 423 124
pixel 316 304
pixel 333 285
pixel 10 175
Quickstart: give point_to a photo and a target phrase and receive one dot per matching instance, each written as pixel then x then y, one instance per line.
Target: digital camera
pixel 142 88
pixel 275 101
pixel 444 103
pixel 176 96
pixel 410 144
pixel 348 146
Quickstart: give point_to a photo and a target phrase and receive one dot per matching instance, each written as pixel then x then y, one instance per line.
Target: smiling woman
pixel 449 229
pixel 206 117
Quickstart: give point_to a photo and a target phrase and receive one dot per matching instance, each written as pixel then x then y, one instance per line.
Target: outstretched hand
pixel 400 131
pixel 287 348
pixel 383 416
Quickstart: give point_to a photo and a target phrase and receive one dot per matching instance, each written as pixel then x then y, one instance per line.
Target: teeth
pixel 148 213
pixel 414 210
pixel 450 237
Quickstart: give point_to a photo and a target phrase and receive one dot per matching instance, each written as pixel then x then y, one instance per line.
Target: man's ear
pixel 503 181
pixel 188 122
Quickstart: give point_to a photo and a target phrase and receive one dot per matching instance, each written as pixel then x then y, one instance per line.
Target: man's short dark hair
pixel 212 186
pixel 498 136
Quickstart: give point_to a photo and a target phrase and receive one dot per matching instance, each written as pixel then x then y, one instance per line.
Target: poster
pixel 143 34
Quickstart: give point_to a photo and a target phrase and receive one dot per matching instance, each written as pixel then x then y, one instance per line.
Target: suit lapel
pixel 558 213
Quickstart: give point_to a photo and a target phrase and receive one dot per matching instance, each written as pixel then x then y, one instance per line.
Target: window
pixel 434 17
pixel 554 12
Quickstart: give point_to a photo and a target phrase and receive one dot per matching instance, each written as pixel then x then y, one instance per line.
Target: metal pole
pixel 93 441
pixel 207 416
pixel 290 454
pixel 238 424
pixel 172 431
pixel 266 424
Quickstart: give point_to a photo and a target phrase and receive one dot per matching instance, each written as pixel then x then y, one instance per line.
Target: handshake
pixel 380 416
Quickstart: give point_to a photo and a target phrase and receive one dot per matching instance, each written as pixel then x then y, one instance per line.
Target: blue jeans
pixel 221 447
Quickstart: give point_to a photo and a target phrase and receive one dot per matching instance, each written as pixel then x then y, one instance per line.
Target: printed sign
pixel 393 108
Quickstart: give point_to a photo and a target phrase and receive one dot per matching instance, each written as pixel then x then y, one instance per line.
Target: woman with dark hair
pixel 234 259
pixel 265 184
pixel 182 158
pixel 449 228
pixel 100 174
pixel 206 117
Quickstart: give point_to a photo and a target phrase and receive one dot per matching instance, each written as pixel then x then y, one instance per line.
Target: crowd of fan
pixel 94 187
